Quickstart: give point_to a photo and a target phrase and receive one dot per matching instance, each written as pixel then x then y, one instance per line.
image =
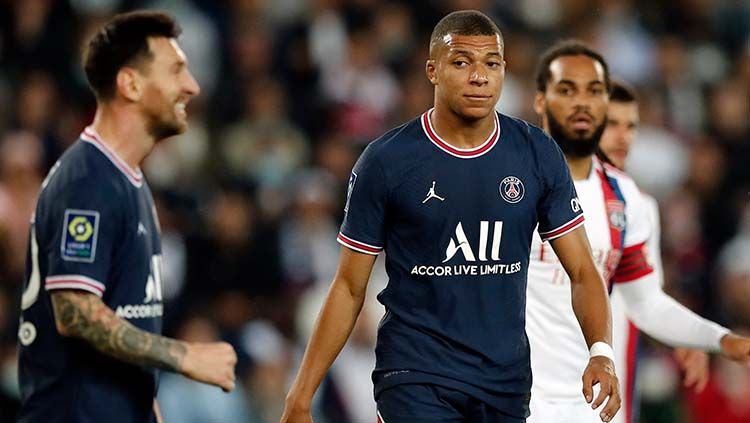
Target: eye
pixel 564 91
pixel 460 63
pixel 493 64
pixel 597 91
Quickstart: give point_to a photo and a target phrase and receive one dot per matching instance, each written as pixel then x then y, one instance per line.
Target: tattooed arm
pixel 79 314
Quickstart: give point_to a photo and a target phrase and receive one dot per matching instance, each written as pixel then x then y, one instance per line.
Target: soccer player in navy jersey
pixel 90 347
pixel 453 198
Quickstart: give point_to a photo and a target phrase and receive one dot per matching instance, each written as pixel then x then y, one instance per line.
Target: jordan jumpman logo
pixel 431 194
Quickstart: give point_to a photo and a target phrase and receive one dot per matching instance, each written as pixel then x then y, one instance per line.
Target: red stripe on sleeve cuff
pixel 358 246
pixel 74 282
pixel 562 230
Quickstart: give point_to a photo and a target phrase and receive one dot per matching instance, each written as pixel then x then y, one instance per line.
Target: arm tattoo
pixel 83 315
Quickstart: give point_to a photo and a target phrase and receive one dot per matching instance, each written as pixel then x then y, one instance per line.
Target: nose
pixel 191 85
pixel 582 100
pixel 478 75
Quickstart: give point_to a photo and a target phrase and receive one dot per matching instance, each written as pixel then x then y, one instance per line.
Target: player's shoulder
pixel 528 135
pixel 627 185
pixel 81 169
pixel 395 143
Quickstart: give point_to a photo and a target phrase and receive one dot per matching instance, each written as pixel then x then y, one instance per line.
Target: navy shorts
pixel 424 403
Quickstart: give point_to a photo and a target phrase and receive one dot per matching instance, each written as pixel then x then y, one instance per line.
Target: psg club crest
pixel 511 189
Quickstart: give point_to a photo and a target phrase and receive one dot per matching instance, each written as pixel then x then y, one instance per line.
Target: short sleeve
pixel 363 227
pixel 559 210
pixel 634 263
pixel 78 235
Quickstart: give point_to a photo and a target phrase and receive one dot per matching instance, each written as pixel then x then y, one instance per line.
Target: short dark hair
pixel 563 48
pixel 122 41
pixel 464 22
pixel 622 92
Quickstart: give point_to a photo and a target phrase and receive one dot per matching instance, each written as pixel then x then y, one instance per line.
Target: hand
pixel 736 348
pixel 210 362
pixel 601 370
pixel 296 412
pixel 695 365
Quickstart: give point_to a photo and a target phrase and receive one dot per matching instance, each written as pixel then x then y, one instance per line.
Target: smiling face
pixel 467 72
pixel 167 88
pixel 622 128
pixel 574 105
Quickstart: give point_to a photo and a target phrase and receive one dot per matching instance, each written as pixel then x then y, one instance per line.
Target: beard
pixel 160 128
pixel 578 146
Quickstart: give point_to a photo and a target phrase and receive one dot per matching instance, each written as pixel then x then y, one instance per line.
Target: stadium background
pixel 251 196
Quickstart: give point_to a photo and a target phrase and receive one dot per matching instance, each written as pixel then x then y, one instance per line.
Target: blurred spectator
pixel 264 147
pixel 21 160
pixel 725 398
pixel 309 251
pixel 363 87
pixel 233 251
pixel 272 367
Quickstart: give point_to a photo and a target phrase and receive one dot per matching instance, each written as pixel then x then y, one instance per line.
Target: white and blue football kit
pixel 456 227
pixel 95 230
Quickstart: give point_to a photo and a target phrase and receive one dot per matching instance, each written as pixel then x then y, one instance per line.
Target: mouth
pixel 581 122
pixel 180 109
pixel 477 97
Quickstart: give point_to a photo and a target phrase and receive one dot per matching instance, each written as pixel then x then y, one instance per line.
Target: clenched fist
pixel 210 362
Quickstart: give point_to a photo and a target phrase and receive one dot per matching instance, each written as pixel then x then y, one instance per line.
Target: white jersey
pixel 624 332
pixel 618 226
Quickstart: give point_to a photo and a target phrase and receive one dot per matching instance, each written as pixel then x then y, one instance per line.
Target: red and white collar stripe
pixel 135 176
pixel 462 153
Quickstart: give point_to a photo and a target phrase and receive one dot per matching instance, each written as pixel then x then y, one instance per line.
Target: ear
pixel 129 84
pixel 430 69
pixel 540 103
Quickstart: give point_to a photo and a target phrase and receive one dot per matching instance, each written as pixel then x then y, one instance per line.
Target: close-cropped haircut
pixel 562 49
pixel 121 42
pixel 464 22
pixel 622 92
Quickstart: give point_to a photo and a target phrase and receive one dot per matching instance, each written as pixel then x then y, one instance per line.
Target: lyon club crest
pixel 511 189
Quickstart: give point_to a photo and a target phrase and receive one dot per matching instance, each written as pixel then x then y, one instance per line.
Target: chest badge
pixel 511 189
pixel 431 194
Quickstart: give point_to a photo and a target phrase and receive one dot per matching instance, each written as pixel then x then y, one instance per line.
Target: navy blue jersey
pixel 456 226
pixel 95 230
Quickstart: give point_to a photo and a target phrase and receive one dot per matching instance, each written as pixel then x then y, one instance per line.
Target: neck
pixel 580 167
pixel 124 132
pixel 459 132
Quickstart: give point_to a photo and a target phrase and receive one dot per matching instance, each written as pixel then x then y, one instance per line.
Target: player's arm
pixel 335 322
pixel 591 306
pixel 83 315
pixel 663 318
pixel 157 412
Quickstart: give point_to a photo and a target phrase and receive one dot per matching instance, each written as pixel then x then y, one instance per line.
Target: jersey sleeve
pixel 363 227
pixel 79 234
pixel 559 210
pixel 634 263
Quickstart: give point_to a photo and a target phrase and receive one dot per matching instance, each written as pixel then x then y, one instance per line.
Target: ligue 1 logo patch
pixel 511 189
pixel 80 229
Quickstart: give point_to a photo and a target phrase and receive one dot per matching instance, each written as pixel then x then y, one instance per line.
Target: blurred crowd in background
pixel 250 198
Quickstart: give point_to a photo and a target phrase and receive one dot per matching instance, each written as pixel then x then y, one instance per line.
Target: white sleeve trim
pixel 663 318
pixel 358 245
pixel 81 282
